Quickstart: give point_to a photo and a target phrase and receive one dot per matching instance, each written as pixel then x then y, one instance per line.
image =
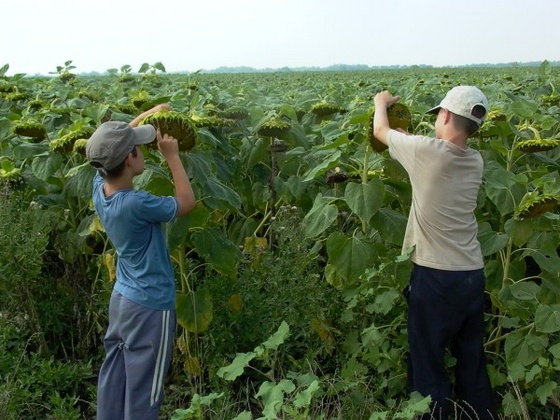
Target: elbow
pixel 186 205
pixel 381 133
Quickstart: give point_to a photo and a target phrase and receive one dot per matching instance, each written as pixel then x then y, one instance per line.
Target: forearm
pixel 136 121
pixel 381 124
pixel 382 101
pixel 183 189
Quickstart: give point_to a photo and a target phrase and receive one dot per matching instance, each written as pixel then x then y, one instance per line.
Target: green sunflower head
pixel 65 144
pixel 33 129
pixel 275 126
pixel 175 124
pixel 536 145
pixel 325 108
pixel 535 204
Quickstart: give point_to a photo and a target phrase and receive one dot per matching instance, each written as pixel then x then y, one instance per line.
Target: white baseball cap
pixel 462 100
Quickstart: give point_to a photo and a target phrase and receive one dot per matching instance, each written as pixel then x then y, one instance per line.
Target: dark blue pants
pixel 446 310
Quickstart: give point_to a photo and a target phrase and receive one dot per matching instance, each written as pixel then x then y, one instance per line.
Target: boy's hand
pixel 384 99
pixel 167 145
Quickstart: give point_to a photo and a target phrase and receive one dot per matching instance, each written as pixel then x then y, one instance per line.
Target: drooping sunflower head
pixel 140 99
pixel 33 129
pixel 488 128
pixel 399 118
pixel 65 143
pixel 17 96
pixel 175 124
pixel 324 108
pixel 275 126
pixel 235 112
pixel 536 145
pixel 337 176
pixel 80 146
pixel 10 174
pixel 535 204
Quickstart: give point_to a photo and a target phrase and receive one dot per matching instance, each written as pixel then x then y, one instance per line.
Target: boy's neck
pixel 117 184
pixel 459 141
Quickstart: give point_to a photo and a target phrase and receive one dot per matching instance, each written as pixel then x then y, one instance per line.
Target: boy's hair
pixel 119 169
pixel 467 125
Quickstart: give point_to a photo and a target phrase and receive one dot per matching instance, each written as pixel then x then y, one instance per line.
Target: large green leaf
pixel 194 310
pixel 242 360
pixel 272 395
pixel 217 250
pixel 525 291
pixel 199 164
pixel 519 230
pixel 278 338
pixel 29 150
pixel 390 224
pixel 217 193
pixel 503 188
pixel 178 230
pixel 80 184
pixel 555 351
pixel 524 348
pixel 523 108
pixel 321 216
pixel 329 162
pixel 254 151
pixel 44 167
pixel 236 368
pixel 490 241
pixel 350 256
pixel 365 199
pixel 547 318
pixel 547 259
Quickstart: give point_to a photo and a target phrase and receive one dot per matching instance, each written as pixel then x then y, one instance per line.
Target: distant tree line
pixel 350 67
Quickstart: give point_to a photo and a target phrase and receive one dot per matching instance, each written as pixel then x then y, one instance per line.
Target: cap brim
pixel 434 110
pixel 144 134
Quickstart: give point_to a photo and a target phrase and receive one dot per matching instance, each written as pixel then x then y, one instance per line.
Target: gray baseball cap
pixel 111 143
pixel 462 100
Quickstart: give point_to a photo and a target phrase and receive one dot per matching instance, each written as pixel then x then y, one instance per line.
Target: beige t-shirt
pixel 445 181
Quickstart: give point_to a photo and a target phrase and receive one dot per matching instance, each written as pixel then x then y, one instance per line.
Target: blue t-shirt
pixel 133 222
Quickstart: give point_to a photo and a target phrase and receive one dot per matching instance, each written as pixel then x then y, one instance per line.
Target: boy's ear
pixel 128 160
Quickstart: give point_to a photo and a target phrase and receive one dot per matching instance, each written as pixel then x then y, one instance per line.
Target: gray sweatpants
pixel 138 346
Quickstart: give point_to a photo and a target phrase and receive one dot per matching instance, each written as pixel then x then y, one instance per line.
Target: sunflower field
pixel 290 270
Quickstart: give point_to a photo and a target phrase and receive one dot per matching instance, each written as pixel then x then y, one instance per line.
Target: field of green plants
pixel 289 271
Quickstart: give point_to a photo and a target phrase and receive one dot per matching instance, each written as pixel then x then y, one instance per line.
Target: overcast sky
pixel 39 35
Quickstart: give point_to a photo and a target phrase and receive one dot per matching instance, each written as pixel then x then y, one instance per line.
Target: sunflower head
pixel 399 117
pixel 537 145
pixel 33 129
pixel 175 124
pixel 275 126
pixel 534 204
pixel 65 143
pixel 324 108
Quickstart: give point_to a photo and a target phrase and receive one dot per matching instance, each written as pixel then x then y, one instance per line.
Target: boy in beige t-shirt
pixel 446 291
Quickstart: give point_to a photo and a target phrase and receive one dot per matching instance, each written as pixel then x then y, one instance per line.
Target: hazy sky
pixel 39 35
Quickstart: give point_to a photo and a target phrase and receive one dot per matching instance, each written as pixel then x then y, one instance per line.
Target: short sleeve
pixel 155 209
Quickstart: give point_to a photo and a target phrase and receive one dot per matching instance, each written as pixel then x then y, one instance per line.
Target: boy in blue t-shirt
pixel 142 321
